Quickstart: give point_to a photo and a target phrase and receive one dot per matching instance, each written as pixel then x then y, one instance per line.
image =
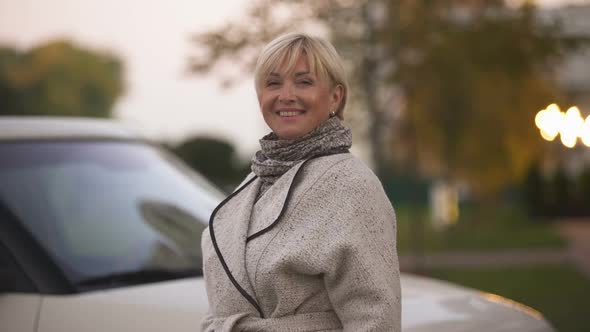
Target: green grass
pixel 477 229
pixel 560 292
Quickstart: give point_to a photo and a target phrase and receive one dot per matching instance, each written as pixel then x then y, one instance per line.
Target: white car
pixel 100 231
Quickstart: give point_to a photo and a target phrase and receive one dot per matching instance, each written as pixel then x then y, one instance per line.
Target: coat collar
pixel 274 201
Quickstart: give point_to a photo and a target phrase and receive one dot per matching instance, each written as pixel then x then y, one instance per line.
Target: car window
pixel 109 207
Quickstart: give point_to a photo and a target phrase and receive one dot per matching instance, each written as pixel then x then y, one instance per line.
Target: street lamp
pixel 569 125
pixel 585 136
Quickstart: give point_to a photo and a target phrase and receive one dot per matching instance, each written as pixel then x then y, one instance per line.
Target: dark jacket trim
pixel 255 235
pixel 220 256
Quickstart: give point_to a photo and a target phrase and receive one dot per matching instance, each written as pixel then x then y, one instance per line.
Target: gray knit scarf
pixel 277 156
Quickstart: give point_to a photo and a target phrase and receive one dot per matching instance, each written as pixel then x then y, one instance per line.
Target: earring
pixel 332 114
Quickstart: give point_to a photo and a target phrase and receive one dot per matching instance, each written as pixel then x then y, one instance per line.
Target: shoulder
pixel 345 169
pixel 344 176
pixel 342 193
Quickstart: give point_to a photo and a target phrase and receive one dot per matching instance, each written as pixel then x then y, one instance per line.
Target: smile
pixel 290 113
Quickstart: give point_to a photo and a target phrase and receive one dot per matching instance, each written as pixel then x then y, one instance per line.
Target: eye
pixel 306 82
pixel 272 83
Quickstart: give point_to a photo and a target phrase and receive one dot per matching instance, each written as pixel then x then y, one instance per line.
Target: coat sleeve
pixel 358 253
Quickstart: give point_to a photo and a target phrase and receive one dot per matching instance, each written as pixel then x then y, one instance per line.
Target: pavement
pixel 577 252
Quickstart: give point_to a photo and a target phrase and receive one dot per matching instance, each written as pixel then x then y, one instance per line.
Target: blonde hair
pixel 322 57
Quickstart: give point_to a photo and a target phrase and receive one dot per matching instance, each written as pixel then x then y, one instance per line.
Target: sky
pixel 152 38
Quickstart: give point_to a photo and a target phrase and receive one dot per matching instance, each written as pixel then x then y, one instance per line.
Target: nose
pixel 287 93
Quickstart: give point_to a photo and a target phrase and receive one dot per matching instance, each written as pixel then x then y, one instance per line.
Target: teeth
pixel 288 113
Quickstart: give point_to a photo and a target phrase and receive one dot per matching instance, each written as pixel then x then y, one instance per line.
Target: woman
pixel 307 242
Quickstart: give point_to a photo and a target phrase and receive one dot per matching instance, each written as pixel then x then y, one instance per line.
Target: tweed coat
pixel 316 252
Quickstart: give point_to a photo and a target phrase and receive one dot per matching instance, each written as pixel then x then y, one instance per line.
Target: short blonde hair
pixel 322 57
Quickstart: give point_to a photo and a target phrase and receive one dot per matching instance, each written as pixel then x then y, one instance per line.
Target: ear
pixel 337 95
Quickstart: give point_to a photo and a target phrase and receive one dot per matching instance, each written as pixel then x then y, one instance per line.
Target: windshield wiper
pixel 138 277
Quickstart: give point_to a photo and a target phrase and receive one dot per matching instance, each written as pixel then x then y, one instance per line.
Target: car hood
pixel 177 305
pixel 432 305
pixel 428 305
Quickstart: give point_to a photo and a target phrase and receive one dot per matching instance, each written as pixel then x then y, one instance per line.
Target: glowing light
pixel 585 134
pixel 569 140
pixel 549 121
pixel 546 136
pixel 569 125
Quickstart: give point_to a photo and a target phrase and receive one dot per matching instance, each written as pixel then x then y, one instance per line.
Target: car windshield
pixel 107 208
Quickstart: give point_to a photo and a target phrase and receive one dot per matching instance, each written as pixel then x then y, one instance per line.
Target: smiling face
pixel 295 102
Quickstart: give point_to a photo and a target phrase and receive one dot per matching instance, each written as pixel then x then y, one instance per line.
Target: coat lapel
pixel 230 227
pixel 268 208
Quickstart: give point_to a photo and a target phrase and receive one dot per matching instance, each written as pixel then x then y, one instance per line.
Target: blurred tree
pixel 473 78
pixel 533 191
pixel 215 159
pixel 472 74
pixel 59 78
pixel 583 191
pixel 559 194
